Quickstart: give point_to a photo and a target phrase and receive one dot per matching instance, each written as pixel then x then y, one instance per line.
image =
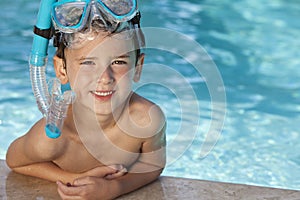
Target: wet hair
pixel 61 46
pixel 133 24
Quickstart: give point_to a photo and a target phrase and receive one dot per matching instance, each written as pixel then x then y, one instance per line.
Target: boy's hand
pixel 107 172
pixel 94 184
pixel 85 188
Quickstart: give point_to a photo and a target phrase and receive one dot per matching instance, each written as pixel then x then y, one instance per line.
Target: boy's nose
pixel 106 77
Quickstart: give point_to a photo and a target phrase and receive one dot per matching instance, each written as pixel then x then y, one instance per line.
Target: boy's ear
pixel 139 67
pixel 60 69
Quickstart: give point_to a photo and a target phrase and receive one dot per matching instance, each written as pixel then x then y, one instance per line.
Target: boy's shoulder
pixel 143 106
pixel 146 115
pixel 45 147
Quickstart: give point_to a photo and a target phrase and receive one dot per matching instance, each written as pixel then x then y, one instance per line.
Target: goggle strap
pixel 136 19
pixel 58 35
pixel 45 33
pixel 57 39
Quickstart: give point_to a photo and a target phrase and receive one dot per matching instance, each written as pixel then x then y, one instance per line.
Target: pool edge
pixel 15 186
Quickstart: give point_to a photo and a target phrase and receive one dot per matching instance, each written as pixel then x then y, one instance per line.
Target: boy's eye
pixel 119 62
pixel 87 62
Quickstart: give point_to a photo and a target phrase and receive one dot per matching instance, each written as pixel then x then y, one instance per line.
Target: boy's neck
pixel 105 122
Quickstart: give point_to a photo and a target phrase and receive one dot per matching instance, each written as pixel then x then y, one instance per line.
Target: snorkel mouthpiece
pixel 59 103
pixel 53 107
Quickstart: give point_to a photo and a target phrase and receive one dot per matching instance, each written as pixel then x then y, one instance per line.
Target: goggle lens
pixel 69 14
pixel 119 7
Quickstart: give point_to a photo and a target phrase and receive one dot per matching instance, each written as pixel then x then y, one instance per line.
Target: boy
pixel 109 129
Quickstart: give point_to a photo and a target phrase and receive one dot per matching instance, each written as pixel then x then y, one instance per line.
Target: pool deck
pixel 14 186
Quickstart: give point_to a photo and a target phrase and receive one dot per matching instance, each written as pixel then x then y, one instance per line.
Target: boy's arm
pixel 148 167
pixel 48 171
pixel 51 172
pixel 144 171
pixel 33 147
pixel 32 155
pixel 93 187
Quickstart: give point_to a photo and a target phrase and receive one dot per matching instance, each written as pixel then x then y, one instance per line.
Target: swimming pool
pixel 255 48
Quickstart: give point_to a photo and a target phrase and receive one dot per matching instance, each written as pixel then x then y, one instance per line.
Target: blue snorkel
pixel 54 104
pixel 53 107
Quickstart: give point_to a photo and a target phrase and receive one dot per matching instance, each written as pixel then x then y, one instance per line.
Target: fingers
pixel 87 188
pixel 67 193
pixel 104 170
pixel 117 167
pixel 100 171
pixel 84 181
pixel 119 173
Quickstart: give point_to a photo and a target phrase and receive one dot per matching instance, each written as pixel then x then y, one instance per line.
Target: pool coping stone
pixel 16 186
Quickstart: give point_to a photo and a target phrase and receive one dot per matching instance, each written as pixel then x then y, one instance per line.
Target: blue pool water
pixel 255 46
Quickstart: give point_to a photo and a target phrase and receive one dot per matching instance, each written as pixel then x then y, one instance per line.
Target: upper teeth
pixel 103 93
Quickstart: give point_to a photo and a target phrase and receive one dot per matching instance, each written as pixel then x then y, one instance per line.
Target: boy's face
pixel 102 72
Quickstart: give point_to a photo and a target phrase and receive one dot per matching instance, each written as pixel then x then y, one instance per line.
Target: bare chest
pixel 83 154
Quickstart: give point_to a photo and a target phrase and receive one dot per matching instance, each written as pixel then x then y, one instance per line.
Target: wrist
pixel 70 178
pixel 115 188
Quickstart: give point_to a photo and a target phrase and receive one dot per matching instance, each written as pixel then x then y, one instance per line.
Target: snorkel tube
pixel 53 107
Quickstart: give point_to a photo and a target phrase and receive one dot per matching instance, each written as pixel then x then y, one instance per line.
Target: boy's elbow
pixel 10 162
pixel 159 172
pixel 156 174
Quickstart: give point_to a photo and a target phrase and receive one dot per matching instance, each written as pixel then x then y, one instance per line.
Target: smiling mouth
pixel 103 95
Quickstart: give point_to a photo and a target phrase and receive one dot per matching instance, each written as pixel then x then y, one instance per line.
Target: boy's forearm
pixel 48 171
pixel 143 172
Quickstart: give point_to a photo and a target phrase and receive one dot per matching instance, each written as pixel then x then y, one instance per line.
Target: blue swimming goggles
pixel 70 16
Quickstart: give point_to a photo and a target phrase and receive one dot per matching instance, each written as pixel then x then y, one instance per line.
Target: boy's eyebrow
pixel 86 58
pixel 127 55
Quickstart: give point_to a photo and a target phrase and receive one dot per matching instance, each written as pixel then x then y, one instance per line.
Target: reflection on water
pixel 255 48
